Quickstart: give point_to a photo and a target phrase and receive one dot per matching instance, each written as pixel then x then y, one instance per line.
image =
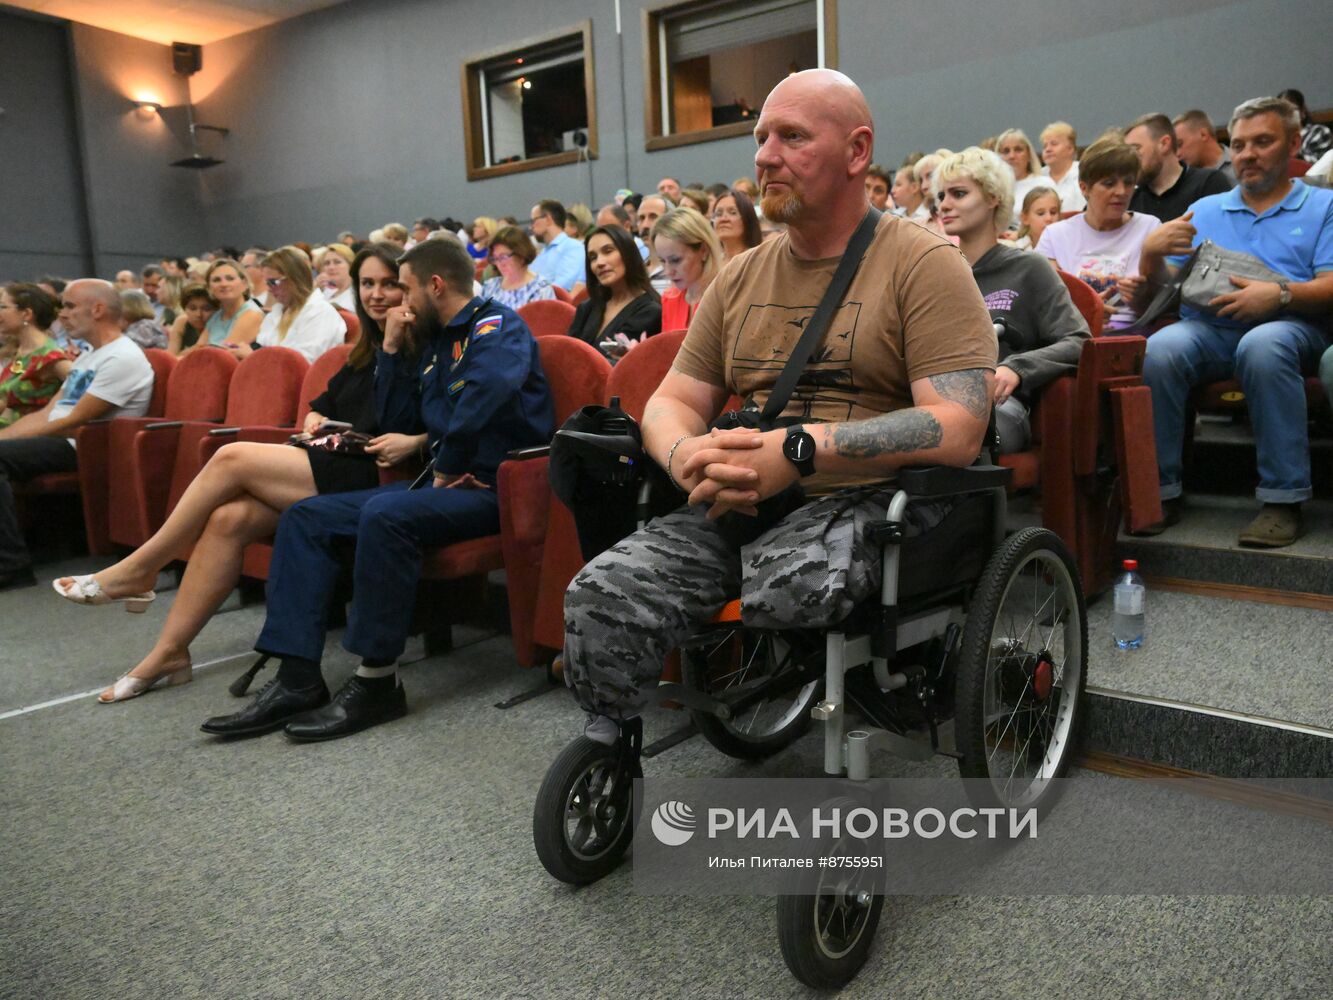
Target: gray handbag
pixel 1212 270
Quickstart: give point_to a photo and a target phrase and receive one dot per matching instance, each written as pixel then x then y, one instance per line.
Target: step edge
pixel 1301 728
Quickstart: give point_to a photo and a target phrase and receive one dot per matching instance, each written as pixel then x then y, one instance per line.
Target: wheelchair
pixel 972 630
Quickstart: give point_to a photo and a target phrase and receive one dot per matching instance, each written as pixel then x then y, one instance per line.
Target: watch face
pixel 800 447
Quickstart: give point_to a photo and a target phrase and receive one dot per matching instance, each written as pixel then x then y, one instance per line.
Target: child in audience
pixel 1102 244
pixel 190 328
pixel 690 254
pixel 1041 207
pixel 35 365
pixel 240 493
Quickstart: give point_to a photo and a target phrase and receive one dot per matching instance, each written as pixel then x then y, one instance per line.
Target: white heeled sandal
pixel 128 687
pixel 86 590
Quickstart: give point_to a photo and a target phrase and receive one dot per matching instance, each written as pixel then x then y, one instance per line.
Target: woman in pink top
pixel 1101 245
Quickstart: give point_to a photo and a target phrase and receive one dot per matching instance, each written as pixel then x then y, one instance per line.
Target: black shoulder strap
pixel 823 316
pixel 1167 299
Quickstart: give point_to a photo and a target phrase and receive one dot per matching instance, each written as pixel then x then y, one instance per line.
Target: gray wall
pixel 330 135
pixel 85 186
pixel 349 117
pixel 41 188
pixel 139 207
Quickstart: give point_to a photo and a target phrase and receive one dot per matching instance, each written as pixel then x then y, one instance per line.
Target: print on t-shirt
pixel 1102 271
pixel 768 335
pixel 77 384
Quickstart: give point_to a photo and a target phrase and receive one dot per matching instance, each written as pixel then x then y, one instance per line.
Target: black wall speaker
pixel 186 59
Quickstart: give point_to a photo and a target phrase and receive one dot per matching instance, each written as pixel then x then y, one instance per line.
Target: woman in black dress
pixel 620 298
pixel 239 495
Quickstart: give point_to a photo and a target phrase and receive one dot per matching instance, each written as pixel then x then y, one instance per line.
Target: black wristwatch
pixel 799 447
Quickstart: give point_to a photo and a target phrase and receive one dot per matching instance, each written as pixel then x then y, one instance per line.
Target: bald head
pixel 90 309
pixel 834 94
pixel 816 142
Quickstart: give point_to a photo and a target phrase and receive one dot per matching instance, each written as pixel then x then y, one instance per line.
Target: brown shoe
pixel 1170 516
pixel 1276 525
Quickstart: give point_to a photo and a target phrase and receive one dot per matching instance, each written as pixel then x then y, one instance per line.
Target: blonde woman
pixel 691 254
pixel 300 320
pixel 1016 150
pixel 1059 150
pixel 482 231
pixel 334 264
pixel 238 316
pixel 1043 331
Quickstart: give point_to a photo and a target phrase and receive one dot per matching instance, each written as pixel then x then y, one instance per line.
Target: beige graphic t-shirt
pixel 913 311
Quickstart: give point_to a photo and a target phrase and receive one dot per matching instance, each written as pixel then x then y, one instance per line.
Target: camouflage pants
pixel 641 598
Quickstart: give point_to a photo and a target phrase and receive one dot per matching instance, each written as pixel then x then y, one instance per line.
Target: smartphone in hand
pixel 334 427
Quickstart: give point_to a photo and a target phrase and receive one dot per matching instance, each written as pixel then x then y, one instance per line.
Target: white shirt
pixel 1071 198
pixel 1021 189
pixel 343 299
pixel 116 373
pixel 315 329
pixel 1323 167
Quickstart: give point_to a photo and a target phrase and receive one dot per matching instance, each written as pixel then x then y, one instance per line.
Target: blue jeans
pixel 1270 361
pixel 391 526
pixel 1326 374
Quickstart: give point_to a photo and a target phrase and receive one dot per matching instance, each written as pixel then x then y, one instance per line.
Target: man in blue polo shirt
pixel 562 260
pixel 476 387
pixel 1266 334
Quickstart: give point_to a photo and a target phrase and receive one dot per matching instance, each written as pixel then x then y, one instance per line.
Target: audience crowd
pixel 445 372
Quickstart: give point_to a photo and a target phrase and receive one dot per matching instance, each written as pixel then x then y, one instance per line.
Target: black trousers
pixel 22 459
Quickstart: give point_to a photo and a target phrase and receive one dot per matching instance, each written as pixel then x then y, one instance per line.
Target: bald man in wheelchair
pixel 903 376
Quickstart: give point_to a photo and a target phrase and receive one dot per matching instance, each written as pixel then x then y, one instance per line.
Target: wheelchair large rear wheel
pixel 582 822
pixel 736 660
pixel 1021 671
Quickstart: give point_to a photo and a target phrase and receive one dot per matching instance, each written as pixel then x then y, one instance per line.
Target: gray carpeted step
pixel 1203 548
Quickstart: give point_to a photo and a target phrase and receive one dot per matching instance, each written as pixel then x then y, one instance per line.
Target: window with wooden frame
pixel 530 105
pixel 709 64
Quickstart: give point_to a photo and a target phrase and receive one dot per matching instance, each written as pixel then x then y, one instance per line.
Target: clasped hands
pixel 732 470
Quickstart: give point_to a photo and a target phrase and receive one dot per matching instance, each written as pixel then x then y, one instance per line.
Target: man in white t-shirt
pixel 1059 151
pixel 114 379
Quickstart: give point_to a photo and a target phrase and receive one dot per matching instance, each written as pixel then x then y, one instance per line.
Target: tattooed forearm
pixel 966 388
pixel 896 433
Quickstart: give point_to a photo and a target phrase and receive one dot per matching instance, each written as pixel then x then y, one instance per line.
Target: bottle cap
pixel 1131 564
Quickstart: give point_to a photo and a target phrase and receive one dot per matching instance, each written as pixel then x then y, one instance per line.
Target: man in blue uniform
pixel 478 391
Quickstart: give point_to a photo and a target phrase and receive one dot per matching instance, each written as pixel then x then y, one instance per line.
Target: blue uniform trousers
pixel 391 526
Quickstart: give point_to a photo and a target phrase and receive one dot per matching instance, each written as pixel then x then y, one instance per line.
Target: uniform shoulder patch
pixel 488 324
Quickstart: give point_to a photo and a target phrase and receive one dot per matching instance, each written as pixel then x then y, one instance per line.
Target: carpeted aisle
pixel 145 859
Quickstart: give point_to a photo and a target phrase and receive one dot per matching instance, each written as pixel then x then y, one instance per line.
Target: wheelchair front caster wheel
pixel 826 937
pixel 583 820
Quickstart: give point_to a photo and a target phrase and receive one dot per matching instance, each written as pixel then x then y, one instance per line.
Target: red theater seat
pixel 547 317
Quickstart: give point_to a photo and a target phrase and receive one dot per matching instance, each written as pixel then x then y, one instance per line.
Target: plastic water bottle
pixel 1128 615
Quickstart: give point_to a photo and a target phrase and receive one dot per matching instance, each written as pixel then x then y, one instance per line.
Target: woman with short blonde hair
pixel 691 255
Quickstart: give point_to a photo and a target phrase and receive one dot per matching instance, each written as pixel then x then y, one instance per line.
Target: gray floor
pixel 143 859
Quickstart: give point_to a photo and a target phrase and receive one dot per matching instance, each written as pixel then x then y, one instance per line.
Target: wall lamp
pixel 147 109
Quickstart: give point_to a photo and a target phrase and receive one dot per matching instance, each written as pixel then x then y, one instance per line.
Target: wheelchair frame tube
pixel 833 710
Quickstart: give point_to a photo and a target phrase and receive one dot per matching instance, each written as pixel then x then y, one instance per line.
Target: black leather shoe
pixel 273 706
pixel 355 707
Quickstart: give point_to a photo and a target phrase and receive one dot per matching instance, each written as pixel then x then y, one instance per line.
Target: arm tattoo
pixel 967 388
pixel 896 433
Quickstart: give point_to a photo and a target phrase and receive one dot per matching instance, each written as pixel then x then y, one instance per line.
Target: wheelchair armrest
pixel 524 454
pixel 925 481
